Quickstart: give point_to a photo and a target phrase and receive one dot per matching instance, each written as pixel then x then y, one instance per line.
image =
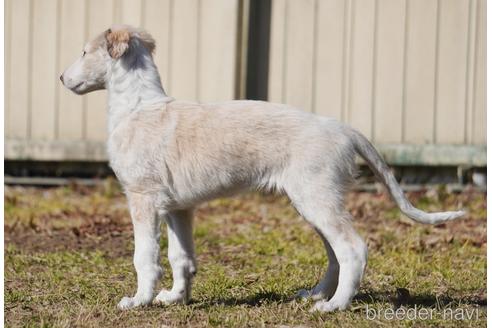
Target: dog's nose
pixel 61 78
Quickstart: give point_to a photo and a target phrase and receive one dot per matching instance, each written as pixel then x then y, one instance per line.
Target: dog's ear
pixel 118 42
pixel 147 40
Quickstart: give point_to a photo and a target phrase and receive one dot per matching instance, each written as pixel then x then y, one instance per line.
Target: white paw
pixel 328 306
pixel 170 297
pixel 130 303
pixel 126 303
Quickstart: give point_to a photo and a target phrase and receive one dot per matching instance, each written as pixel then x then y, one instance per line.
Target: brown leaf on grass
pixel 76 231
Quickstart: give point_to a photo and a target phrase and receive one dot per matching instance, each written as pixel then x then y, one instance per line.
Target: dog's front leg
pixel 146 226
pixel 181 257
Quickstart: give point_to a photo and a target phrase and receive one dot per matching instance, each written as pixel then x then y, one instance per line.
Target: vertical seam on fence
pixel 284 54
pixel 350 63
pixel 315 53
pixel 405 68
pixel 198 49
pixel 117 11
pixel 239 48
pixel 8 45
pixel 436 73
pixel 467 69
pixel 374 69
pixel 57 67
pixel 30 65
pixel 142 13
pixel 475 64
pixel 344 60
pixel 170 47
pixel 85 103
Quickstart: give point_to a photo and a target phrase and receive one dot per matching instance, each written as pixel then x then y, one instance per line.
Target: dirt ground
pixel 68 261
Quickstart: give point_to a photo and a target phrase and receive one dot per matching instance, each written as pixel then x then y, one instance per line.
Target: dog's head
pixel 92 69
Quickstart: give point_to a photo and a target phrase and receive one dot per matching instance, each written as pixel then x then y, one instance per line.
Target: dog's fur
pixel 171 155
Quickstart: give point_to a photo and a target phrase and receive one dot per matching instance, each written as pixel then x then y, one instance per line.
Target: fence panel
pixel 404 72
pixel 400 71
pixel 196 55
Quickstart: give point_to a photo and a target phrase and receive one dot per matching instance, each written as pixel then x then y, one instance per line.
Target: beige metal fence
pixel 196 55
pixel 401 71
pixel 408 73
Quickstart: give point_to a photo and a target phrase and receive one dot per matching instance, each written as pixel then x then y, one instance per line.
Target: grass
pixel 68 261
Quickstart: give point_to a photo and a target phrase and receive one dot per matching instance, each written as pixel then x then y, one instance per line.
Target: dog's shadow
pixel 253 300
pixel 401 298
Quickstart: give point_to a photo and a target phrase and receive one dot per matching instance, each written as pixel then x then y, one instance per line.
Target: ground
pixel 68 261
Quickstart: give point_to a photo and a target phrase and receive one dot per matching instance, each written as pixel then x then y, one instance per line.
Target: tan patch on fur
pixel 117 42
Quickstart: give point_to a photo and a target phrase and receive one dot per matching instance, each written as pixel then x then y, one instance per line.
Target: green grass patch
pixel 254 253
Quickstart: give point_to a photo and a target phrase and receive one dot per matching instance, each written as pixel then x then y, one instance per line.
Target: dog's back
pixel 228 146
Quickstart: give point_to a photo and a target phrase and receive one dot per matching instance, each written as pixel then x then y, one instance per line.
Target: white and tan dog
pixel 171 155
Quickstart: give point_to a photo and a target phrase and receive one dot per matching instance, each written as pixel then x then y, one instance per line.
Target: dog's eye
pixel 83 53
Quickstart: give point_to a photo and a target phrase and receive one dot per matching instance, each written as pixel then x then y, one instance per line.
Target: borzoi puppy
pixel 171 155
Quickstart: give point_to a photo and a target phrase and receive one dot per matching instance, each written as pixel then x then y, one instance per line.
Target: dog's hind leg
pixel 344 246
pixel 146 225
pixel 328 284
pixel 181 255
pixel 351 253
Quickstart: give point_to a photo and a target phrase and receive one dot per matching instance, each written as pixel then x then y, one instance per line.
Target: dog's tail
pixel 367 151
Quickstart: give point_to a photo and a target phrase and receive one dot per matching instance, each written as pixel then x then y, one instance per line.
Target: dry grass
pixel 68 262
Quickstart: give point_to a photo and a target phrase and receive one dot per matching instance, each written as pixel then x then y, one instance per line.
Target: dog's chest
pixel 136 157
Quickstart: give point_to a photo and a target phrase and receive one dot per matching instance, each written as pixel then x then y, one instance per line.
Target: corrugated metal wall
pixel 196 55
pixel 400 71
pixel 405 72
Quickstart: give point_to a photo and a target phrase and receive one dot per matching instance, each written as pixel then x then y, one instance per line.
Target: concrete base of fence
pixel 408 155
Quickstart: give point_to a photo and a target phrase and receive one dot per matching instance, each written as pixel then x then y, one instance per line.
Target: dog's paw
pixel 127 303
pixel 170 297
pixel 328 306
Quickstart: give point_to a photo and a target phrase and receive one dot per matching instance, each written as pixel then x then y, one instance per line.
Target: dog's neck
pixel 134 84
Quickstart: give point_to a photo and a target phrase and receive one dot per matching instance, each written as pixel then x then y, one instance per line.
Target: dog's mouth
pixel 85 87
pixel 76 88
